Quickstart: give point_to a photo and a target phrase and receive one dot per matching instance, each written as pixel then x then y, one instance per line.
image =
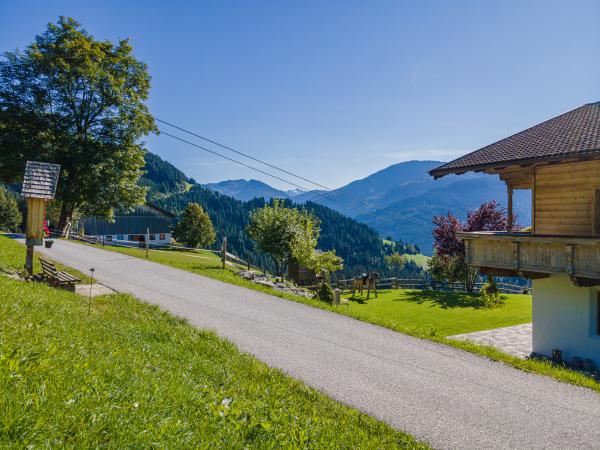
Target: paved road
pixel 449 398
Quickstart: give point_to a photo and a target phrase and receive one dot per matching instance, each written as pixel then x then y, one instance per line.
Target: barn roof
pixel 40 180
pixel 574 134
pixel 137 221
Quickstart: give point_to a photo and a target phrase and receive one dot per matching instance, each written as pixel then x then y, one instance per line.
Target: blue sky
pixel 335 90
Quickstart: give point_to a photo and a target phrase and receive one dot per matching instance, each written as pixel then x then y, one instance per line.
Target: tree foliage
pixel 324 263
pixel 10 215
pixel 284 232
pixel 79 102
pixel 194 228
pixel 395 262
pixel 448 261
pixel 357 244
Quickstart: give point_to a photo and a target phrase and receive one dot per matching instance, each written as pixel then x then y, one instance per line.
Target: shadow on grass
pixel 359 300
pixel 444 300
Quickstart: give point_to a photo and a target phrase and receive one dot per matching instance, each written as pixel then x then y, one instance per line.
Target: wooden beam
pixel 509 225
pixel 585 282
pixel 533 188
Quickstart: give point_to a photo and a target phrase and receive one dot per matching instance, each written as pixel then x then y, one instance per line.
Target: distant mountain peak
pixel 247 189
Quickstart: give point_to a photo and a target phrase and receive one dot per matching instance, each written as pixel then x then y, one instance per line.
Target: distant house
pixel 132 226
pixel 559 162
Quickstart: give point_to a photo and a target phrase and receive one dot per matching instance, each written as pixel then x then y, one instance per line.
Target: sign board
pixel 39 186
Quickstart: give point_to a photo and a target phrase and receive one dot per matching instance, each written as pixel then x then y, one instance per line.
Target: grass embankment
pixel 12 260
pixel 131 376
pixel 201 262
pixel 423 314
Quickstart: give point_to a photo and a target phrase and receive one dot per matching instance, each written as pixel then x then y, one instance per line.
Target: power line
pixel 330 190
pixel 364 211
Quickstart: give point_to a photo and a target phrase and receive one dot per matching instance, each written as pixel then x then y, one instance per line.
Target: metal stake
pixel 91 283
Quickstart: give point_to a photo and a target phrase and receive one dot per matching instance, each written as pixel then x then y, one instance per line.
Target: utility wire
pixel 330 190
pixel 364 211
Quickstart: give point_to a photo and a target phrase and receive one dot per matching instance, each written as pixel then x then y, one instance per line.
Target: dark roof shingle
pixel 40 180
pixel 574 133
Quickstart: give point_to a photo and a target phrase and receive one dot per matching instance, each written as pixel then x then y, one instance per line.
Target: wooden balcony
pixel 534 256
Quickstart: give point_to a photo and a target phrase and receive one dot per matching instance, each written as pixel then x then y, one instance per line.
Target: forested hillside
pixel 359 245
pixel 162 178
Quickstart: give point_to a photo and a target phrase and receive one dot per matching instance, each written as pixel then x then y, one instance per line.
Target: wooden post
pixel 147 241
pixel 34 233
pixel 509 225
pixel 336 296
pixel 224 251
pixel 29 260
pixel 533 201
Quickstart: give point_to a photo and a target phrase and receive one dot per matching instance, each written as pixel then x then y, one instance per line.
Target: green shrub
pixel 325 293
pixel 490 295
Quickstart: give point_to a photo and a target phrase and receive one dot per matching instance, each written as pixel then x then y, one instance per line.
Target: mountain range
pixel 245 190
pixel 358 244
pixel 398 201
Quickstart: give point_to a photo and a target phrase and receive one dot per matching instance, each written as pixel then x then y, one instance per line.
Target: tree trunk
pixel 66 216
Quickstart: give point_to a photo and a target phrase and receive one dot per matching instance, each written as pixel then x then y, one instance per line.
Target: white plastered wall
pixel 565 317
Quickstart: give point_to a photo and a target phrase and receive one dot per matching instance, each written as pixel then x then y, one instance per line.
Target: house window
pixel 120 237
pixel 152 237
pixel 131 237
pixel 108 238
pixel 162 236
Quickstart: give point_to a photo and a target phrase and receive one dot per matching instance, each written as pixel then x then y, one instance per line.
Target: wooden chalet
pixel 559 162
pixel 132 226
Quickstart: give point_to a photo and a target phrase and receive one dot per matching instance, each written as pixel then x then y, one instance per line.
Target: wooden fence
pixel 429 284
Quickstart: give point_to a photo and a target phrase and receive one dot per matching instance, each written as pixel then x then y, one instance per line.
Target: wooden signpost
pixel 39 187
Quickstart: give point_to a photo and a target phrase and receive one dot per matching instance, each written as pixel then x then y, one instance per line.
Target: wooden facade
pixel 565 234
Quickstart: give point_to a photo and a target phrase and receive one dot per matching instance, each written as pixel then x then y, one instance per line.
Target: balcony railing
pixel 533 255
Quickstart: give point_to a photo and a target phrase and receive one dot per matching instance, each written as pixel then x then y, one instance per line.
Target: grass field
pixel 201 262
pixel 422 314
pixel 442 312
pixel 420 260
pixel 12 260
pixel 131 376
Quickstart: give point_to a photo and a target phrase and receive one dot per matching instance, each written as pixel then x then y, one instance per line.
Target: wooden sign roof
pixel 574 134
pixel 40 180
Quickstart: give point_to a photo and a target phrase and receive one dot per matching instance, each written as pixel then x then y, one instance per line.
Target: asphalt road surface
pixel 446 397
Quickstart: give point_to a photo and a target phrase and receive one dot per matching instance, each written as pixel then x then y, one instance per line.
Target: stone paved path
pixel 515 340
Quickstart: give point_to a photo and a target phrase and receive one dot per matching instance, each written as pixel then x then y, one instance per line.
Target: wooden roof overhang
pixel 518 172
pixel 572 136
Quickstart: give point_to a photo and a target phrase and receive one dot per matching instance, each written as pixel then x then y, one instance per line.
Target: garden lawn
pixel 131 376
pixel 444 313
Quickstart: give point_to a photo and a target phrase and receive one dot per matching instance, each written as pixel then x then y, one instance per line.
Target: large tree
pixel 79 102
pixel 194 228
pixel 448 261
pixel 283 232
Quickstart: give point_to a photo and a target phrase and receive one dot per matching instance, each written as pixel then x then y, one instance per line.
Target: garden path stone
pixel 515 340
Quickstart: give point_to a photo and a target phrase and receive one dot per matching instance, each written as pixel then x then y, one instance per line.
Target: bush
pixel 10 216
pixel 325 293
pixel 490 295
